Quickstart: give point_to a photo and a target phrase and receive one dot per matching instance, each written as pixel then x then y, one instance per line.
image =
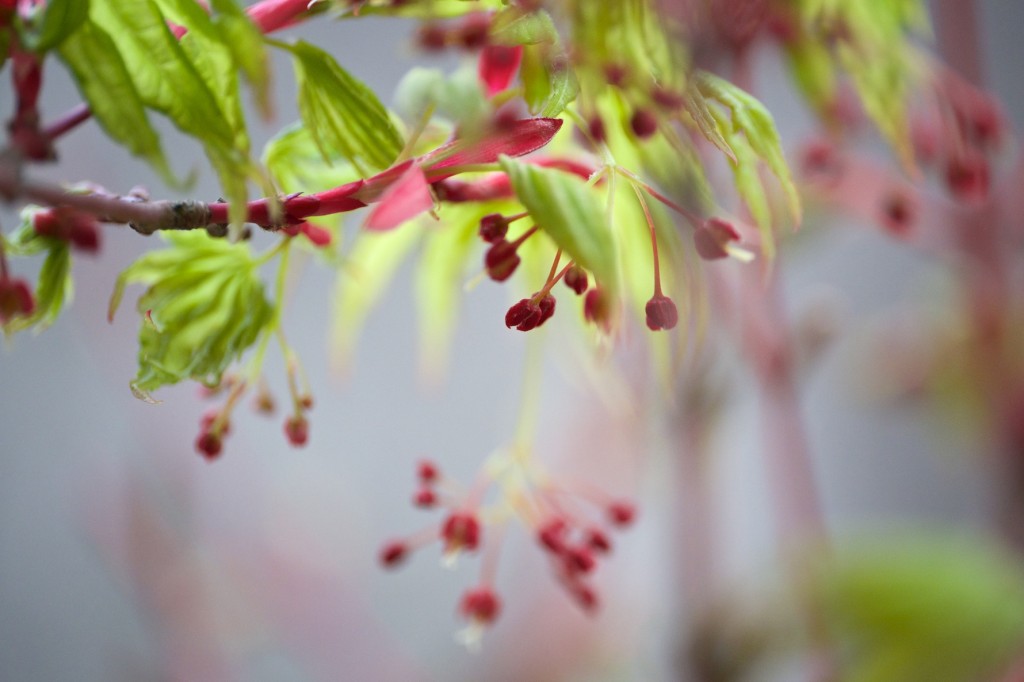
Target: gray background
pixel 272 550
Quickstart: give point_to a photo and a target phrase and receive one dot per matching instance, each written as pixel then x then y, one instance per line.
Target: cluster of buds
pixel 215 424
pixel 79 229
pixel 575 545
pixel 572 543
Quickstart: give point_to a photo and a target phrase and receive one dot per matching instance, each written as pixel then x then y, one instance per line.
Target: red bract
pixel 514 139
pixel 406 198
pixel 15 299
pixel 317 235
pixel 498 66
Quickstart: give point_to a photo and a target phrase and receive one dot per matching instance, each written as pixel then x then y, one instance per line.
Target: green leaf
pixel 54 288
pixel 570 212
pixel 60 19
pixel 441 276
pixel 244 40
pixel 515 26
pixel 751 118
pixel 372 263
pixel 341 113
pixel 297 165
pixel 164 75
pixel 205 305
pixel 105 83
pixel 925 609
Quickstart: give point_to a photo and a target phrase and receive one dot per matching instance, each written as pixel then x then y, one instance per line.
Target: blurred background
pixel 125 555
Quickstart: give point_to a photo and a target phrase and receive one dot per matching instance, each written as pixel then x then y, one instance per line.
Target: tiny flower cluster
pixel 572 541
pixel 215 424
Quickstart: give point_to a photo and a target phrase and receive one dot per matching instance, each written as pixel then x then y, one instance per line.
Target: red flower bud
pixel 460 531
pixel 427 472
pixel 967 177
pixel 209 445
pixel 576 279
pixel 552 535
pixel 596 128
pixel 643 123
pixel 393 553
pixel 501 260
pixel 597 308
pixel 898 214
pixel 524 315
pixel 480 605
pixel 667 99
pixel 432 37
pixel 621 513
pixel 425 498
pixel 68 225
pixel 661 313
pixel 296 429
pixel 584 595
pixel 15 299
pixel 598 541
pixel 493 228
pixel 579 560
pixel 474 31
pixel 711 237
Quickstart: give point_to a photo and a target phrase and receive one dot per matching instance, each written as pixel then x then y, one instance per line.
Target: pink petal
pixel 406 198
pixel 512 139
pixel 498 66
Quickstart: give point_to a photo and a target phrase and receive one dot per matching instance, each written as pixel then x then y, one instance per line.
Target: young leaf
pixel 570 212
pixel 60 19
pixel 105 83
pixel 372 264
pixel 751 118
pixel 342 113
pixel 924 610
pixel 206 305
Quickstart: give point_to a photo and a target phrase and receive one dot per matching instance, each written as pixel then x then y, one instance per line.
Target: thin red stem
pixel 654 240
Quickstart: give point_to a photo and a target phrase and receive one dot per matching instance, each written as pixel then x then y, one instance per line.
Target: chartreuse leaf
pixel 245 41
pixel 54 288
pixel 297 165
pixel 204 307
pixel 751 118
pixel 570 212
pixel 431 9
pixel 549 82
pixel 925 609
pixel 440 278
pixel 374 258
pixel 194 82
pixel 105 83
pixel 341 113
pixel 59 20
pixel 872 40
